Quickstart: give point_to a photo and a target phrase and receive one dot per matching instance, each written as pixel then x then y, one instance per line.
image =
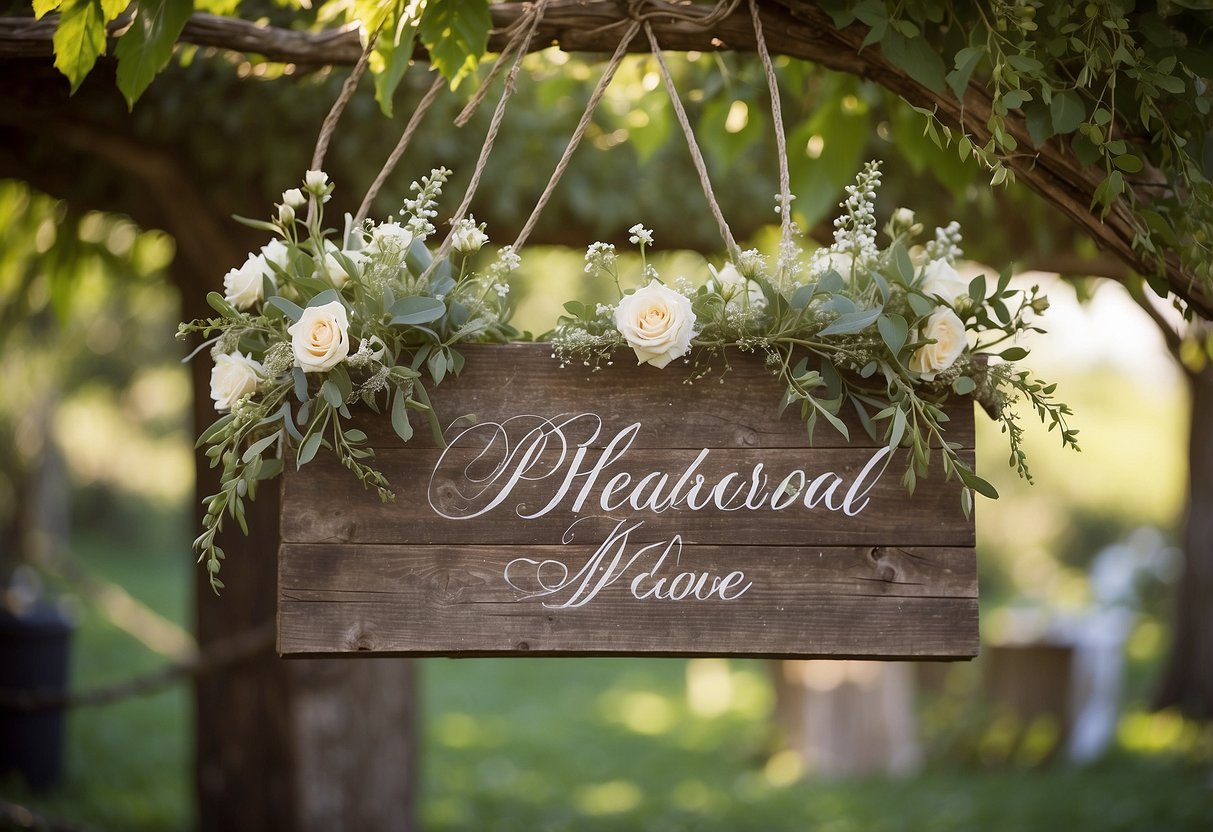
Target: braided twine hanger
pixel 640 13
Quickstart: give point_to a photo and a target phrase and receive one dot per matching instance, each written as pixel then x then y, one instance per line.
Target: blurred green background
pixel 533 744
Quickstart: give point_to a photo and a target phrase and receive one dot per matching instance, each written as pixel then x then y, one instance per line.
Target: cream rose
pixel 948 332
pixel 319 338
pixel 657 323
pixel 243 287
pixel 234 375
pixel 737 290
pixel 942 281
pixel 276 252
pixel 336 271
pixel 390 237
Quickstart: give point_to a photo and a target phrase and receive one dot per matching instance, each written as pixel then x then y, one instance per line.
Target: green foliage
pixel 286 367
pixel 148 45
pixel 1125 87
pixel 79 39
pixel 861 329
pixel 456 33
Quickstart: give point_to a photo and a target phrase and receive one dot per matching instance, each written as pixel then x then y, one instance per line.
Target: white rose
pixel 243 287
pixel 948 332
pixel 736 290
pixel 390 237
pixel 319 338
pixel 942 281
pixel 234 375
pixel 276 252
pixel 294 198
pixel 657 323
pixel 336 271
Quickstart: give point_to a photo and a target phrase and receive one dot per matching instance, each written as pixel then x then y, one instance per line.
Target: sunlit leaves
pixel 392 54
pixel 79 39
pixel 147 46
pixel 456 33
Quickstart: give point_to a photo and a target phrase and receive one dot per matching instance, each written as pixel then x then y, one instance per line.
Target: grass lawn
pixel 586 744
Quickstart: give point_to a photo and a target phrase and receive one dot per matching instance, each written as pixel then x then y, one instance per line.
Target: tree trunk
pixel 299 744
pixel 1188 681
pixel 848 718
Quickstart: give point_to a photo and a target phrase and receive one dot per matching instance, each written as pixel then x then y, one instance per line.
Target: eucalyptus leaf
pixel 327 296
pixel 416 309
pixel 288 308
pixel 894 331
pixel 255 449
pixel 802 295
pixel 300 379
pixel 307 451
pixel 400 417
pixel 851 322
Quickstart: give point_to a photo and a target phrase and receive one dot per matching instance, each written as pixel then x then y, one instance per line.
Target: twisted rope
pixel 701 167
pixel 423 106
pixel 494 126
pixel 334 115
pixel 579 133
pixel 781 143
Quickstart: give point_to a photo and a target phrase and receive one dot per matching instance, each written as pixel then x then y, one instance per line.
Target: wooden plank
pixel 325 504
pixel 626 512
pixel 796 601
pixel 503 380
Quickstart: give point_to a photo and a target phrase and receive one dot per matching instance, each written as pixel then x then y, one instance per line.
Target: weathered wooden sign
pixel 626 512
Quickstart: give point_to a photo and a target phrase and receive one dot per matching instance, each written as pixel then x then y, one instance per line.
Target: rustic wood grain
pixel 324 503
pixel 441 571
pixel 502 380
pixel 853 602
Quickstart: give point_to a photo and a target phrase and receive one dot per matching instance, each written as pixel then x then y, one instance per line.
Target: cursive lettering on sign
pixel 534 449
pixel 563 588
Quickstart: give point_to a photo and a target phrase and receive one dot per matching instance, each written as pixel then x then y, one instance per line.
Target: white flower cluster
pixel 424 207
pixel 468 237
pixel 640 236
pixel 946 245
pixel 600 257
pixel 855 230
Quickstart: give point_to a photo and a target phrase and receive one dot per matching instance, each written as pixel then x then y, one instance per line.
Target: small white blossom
pixel 946 245
pixel 390 238
pixel 599 257
pixel 751 263
pixel 468 237
pixel 502 289
pixel 640 236
pixel 286 214
pixel 294 198
pixel 316 182
pixel 509 259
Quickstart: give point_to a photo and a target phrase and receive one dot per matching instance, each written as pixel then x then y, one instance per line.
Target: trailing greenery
pixel 1123 86
pixel 886 333
pixel 311 325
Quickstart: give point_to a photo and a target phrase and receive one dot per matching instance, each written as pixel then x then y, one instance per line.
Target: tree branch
pixel 796 28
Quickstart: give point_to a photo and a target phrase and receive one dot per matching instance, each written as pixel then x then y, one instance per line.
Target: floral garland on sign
pixel 316 322
pixel 888 333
